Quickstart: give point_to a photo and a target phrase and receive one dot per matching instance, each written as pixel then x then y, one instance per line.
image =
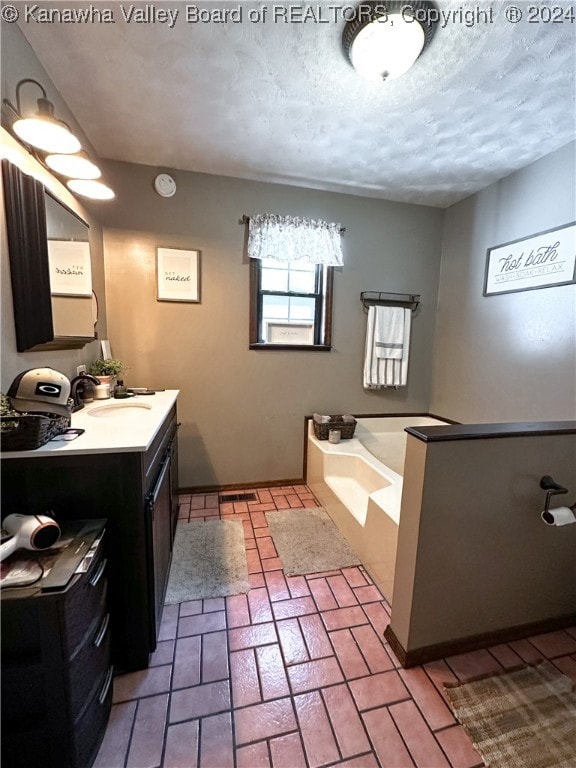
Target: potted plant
pixel 6 410
pixel 106 370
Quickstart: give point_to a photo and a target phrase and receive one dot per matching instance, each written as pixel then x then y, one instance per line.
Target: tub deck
pixel 359 483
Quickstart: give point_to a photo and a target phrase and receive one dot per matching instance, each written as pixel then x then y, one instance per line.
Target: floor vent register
pixel 237 497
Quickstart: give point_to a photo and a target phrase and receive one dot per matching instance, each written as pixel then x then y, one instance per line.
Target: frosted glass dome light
pixel 386 50
pixel 382 41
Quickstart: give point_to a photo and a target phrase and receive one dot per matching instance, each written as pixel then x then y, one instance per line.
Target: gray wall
pixel 242 411
pixel 510 357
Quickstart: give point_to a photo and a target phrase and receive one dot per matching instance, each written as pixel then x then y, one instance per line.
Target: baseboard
pixel 242 486
pixel 419 656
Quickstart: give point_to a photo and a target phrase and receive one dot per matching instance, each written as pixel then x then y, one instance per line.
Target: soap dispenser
pixel 120 390
pixel 87 392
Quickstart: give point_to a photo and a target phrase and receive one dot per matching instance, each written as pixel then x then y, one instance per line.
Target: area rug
pixel 208 560
pixel 525 718
pixel 307 541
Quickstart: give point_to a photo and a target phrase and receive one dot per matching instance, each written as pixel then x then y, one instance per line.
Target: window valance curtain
pixel 294 238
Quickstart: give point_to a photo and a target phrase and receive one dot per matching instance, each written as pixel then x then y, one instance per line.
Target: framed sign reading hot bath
pixel 543 260
pixel 178 275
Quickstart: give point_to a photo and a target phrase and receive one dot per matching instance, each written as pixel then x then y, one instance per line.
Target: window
pixel 291 305
pixel 292 261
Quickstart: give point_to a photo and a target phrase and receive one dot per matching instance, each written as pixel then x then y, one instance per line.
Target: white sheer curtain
pixel 294 238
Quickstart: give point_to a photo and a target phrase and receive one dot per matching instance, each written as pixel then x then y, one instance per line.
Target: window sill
pixel 295 347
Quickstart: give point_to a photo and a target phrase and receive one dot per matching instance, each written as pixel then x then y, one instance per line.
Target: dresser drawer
pixel 89 665
pixel 85 600
pixel 89 728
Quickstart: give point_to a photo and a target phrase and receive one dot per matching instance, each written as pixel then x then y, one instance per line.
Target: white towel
pixel 389 332
pixel 381 371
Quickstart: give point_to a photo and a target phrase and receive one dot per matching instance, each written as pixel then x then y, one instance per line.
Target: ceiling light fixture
pixel 383 40
pixel 61 150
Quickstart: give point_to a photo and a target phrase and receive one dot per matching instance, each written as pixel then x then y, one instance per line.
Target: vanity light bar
pixel 63 152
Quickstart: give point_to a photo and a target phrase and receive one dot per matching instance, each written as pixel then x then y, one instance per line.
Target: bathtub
pixel 359 483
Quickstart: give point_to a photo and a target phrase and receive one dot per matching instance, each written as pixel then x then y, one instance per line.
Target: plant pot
pixel 111 380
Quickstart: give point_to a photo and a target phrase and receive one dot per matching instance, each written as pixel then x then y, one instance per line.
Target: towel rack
pixel 370 298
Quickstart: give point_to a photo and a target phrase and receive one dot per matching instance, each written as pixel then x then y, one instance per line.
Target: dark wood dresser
pixel 56 671
pixel 136 491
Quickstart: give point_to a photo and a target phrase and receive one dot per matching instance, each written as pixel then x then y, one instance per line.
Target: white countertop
pixel 131 429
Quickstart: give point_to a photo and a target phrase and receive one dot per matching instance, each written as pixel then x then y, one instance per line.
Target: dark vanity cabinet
pixel 161 501
pixel 158 512
pixel 135 491
pixel 56 670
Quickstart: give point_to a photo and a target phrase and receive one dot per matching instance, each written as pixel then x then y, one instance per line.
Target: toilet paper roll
pixel 559 516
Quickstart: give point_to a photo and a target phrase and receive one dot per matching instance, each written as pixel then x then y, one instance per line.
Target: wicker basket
pixel 30 431
pixel 336 422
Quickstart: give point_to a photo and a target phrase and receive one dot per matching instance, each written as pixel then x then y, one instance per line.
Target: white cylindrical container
pixel 101 391
pixel 334 436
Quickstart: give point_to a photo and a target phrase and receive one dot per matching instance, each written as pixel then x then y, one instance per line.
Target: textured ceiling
pixel 277 101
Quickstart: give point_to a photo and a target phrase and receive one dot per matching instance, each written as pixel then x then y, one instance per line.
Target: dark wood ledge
pixel 485 431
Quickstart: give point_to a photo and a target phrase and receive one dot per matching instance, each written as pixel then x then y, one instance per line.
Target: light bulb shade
pixel 95 190
pixel 77 166
pixel 47 134
pixel 386 50
pixel 383 41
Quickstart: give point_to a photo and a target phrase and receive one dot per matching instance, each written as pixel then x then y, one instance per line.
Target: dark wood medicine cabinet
pixel 42 320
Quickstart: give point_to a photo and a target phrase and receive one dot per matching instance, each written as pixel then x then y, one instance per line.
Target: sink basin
pixel 119 410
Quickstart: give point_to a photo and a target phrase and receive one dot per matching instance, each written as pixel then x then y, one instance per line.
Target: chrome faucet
pixel 74 394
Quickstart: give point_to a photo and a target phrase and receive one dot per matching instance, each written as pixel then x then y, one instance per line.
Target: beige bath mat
pixel 521 719
pixel 307 541
pixel 208 560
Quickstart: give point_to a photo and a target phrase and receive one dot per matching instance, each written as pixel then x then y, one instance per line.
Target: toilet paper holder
pixel 552 488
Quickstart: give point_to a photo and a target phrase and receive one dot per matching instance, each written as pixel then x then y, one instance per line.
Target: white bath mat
pixel 208 560
pixel 307 541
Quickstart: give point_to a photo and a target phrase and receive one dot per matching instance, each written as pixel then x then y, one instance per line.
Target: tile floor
pixel 295 674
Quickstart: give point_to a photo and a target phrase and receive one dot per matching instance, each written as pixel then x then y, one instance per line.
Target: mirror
pixel 50 269
pixel 68 239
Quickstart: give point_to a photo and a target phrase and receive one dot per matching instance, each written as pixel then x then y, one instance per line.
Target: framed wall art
pixel 543 260
pixel 69 267
pixel 289 333
pixel 178 275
